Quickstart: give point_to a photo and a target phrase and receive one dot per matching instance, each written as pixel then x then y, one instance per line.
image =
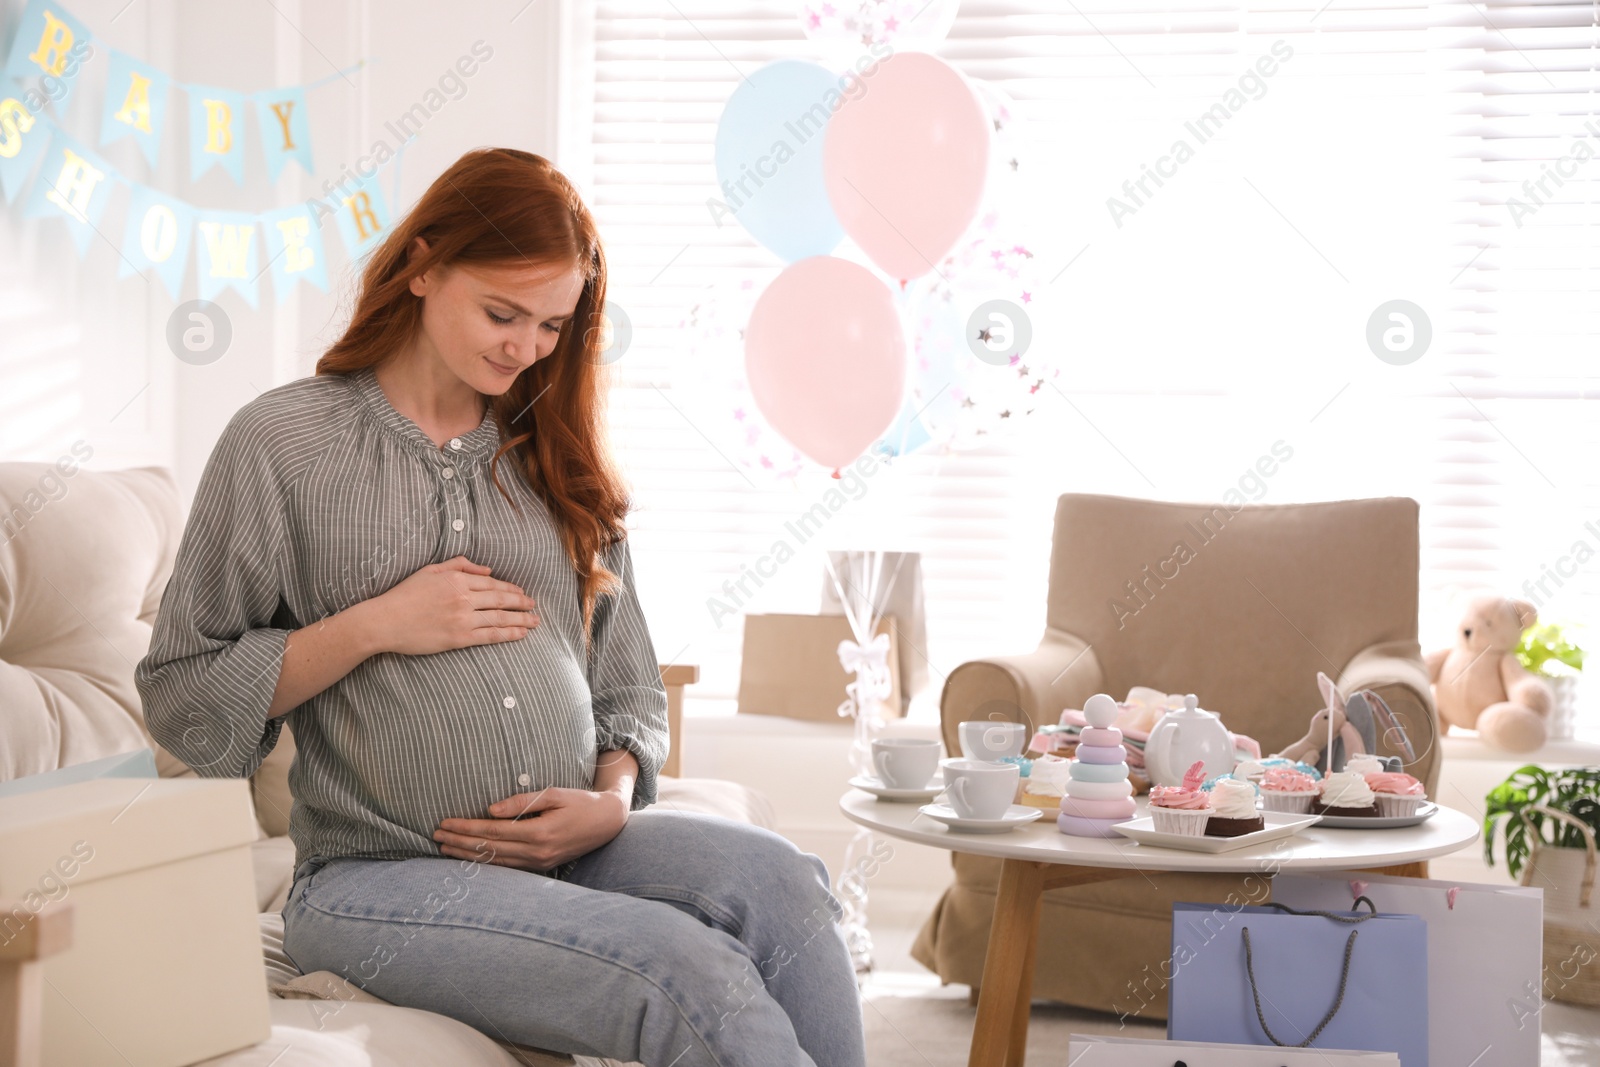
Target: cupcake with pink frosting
pixel 1182 809
pixel 1398 794
pixel 1286 789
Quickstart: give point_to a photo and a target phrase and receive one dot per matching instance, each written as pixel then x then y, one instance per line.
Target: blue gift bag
pixel 1274 976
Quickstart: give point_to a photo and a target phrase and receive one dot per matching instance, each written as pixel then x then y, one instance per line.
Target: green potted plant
pixel 1547 649
pixel 1573 790
pixel 1551 818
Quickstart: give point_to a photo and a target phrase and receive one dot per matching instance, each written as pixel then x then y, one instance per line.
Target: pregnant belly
pixel 431 737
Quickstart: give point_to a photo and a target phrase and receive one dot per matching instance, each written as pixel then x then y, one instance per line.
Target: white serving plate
pixel 874 785
pixel 1278 824
pixel 1379 822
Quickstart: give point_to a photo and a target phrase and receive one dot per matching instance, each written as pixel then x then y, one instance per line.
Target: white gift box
pixel 1093 1050
pixel 1485 949
pixel 165 965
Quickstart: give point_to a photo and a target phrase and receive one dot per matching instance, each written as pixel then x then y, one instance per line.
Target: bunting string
pixel 231 249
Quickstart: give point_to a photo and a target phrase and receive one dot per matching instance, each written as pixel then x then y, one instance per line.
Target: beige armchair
pixel 1241 608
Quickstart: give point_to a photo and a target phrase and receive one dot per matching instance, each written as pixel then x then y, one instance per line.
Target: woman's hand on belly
pixel 540 830
pixel 448 605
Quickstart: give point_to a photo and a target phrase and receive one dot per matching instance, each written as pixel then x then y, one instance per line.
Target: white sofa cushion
pixel 305 1033
pixel 84 559
pixel 339 996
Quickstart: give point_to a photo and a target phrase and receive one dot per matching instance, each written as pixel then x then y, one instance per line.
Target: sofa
pixel 1264 598
pixel 84 560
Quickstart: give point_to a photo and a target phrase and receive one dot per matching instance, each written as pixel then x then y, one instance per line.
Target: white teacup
pixel 979 789
pixel 905 762
pixel 990 739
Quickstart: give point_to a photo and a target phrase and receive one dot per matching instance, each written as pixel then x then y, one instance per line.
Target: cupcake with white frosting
pixel 1365 765
pixel 1046 783
pixel 1234 801
pixel 1346 793
pixel 1248 769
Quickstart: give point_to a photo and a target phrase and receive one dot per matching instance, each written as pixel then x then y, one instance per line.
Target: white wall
pixel 803 768
pixel 83 353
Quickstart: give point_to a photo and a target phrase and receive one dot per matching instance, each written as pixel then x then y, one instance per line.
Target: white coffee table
pixel 1037 857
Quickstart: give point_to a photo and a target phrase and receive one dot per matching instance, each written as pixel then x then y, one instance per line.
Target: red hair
pixel 502 207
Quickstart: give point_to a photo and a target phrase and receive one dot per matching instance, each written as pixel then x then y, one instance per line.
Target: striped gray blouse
pixel 318 495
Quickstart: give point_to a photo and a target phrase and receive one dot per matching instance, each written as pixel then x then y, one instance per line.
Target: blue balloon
pixel 769 158
pixel 907 434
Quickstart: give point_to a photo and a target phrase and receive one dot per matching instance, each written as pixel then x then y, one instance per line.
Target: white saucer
pixel 1424 812
pixel 1016 815
pixel 875 786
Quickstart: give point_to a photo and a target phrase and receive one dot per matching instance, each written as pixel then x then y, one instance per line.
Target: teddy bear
pixel 1480 685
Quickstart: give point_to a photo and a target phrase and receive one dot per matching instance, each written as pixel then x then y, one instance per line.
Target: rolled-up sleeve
pixel 207 681
pixel 630 701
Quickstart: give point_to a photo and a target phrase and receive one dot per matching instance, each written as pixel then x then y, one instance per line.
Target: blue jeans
pixel 686 940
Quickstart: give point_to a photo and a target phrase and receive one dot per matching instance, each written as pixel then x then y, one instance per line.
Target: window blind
pixel 1198 320
pixel 1521 491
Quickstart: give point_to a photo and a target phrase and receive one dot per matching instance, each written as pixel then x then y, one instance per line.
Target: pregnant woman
pixel 416 558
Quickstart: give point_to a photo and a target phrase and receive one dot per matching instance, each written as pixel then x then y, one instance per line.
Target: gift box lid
pixel 111 826
pixel 141 763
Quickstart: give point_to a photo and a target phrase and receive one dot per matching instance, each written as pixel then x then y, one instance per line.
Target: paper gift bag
pixel 790 667
pixel 1094 1050
pixel 900 595
pixel 1487 1016
pixel 1348 980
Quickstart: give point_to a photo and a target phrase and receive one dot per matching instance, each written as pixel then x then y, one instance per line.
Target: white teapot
pixel 1184 736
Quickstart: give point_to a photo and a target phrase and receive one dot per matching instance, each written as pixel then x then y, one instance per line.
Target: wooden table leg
pixel 1008 960
pixel 1018 1049
pixel 1000 1032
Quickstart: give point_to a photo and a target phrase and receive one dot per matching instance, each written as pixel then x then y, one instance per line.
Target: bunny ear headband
pixel 1387 722
pixel 1370 714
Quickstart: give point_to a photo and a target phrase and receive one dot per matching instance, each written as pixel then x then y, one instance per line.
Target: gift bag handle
pixel 1536 842
pixel 1344 971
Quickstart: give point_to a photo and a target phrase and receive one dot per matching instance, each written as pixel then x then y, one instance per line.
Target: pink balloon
pixel 904 162
pixel 826 357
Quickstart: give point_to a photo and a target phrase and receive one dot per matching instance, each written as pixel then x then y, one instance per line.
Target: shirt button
pixel 523 779
pixel 458 525
pixel 455 443
pixel 449 472
pixel 510 702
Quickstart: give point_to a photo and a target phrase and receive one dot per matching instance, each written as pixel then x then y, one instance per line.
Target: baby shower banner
pixel 52 47
pixel 75 184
